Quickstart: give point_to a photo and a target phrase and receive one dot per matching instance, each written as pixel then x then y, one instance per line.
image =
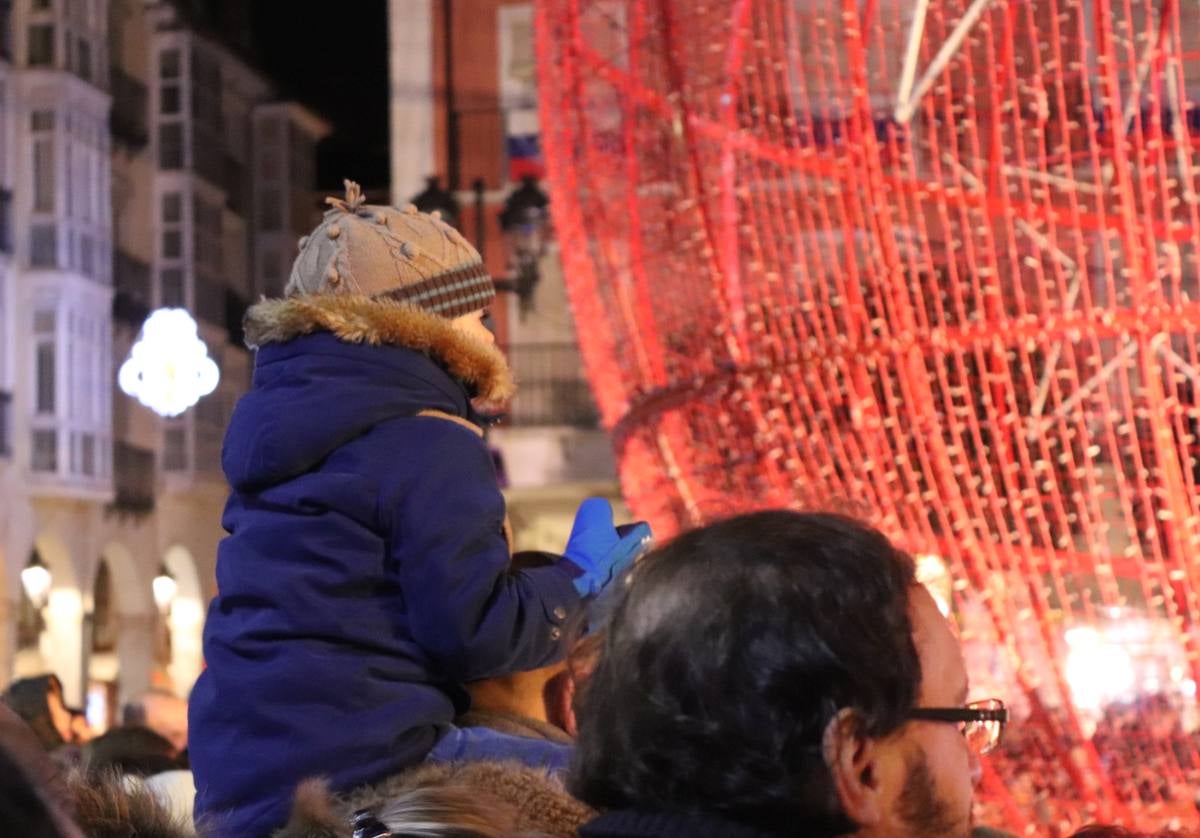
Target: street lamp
pixel 165 588
pixel 36 579
pixel 435 199
pixel 525 221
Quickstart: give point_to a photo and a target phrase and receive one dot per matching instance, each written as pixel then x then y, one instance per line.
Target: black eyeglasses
pixel 980 722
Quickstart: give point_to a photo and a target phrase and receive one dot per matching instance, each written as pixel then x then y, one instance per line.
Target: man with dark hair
pixel 780 674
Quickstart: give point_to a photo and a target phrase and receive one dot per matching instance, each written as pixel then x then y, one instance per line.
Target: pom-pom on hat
pixel 395 254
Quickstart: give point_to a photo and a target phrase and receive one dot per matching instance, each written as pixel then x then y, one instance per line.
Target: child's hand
pixel 598 549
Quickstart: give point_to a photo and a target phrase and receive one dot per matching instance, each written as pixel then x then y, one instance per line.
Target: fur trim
pixel 106 806
pixel 487 798
pixel 542 805
pixel 357 319
pixel 316 813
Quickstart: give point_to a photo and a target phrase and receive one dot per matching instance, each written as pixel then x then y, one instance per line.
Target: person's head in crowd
pixel 26 809
pixel 21 744
pixel 131 749
pixel 541 695
pixel 81 729
pixel 763 672
pixel 162 711
pixel 39 701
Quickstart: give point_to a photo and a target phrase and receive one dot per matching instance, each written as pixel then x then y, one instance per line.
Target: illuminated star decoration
pixel 168 369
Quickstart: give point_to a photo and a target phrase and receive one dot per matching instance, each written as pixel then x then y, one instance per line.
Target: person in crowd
pixel 22 743
pixel 366 573
pixel 162 711
pixel 780 673
pixel 533 703
pixel 133 750
pixel 39 701
pixel 25 807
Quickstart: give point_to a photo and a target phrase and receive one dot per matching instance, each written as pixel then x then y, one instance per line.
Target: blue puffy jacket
pixel 366 575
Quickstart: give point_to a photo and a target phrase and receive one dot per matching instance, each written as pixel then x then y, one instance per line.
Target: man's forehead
pixel 943 670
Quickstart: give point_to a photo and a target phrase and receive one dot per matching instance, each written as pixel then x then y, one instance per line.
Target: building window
pixel 172 244
pixel 43 175
pixel 168 99
pixel 170 146
pixel 83 58
pixel 41 45
pixel 40 5
pixel 6 240
pixel 87 256
pixel 175 449
pixel 171 288
pixel 41 121
pixel 87 454
pixel 168 64
pixel 43 246
pixel 172 208
pixel 45 450
pixel 45 378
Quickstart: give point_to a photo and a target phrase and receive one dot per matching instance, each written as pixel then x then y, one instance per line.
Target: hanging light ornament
pixel 168 369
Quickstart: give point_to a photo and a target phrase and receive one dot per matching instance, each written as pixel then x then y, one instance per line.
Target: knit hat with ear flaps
pixel 386 253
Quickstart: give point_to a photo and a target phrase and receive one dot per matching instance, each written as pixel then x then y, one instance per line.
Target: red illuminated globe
pixel 934 263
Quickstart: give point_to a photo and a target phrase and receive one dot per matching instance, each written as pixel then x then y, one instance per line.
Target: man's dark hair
pixel 734 647
pixel 131 750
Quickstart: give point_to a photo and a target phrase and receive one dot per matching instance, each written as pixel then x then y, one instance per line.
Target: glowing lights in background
pixel 168 369
pixel 975 323
pixel 36 580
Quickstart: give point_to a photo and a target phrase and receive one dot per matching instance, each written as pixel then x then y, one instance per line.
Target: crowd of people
pixel 379 663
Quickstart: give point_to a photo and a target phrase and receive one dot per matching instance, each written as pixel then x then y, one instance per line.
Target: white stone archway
pixel 185 620
pixel 130 663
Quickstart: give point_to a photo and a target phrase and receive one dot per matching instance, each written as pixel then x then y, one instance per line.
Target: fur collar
pixel 357 319
pixel 511 798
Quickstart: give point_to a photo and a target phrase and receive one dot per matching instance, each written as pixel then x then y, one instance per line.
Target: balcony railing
pixel 551 388
pixel 133 478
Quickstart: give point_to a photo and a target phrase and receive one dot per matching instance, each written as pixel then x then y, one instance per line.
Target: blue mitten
pixel 596 548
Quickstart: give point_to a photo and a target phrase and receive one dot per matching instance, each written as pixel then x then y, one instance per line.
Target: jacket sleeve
pixel 473 616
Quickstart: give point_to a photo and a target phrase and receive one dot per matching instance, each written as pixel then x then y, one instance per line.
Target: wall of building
pixel 152 207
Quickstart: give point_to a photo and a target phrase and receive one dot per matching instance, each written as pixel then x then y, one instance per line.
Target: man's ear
pixel 559 696
pixel 852 758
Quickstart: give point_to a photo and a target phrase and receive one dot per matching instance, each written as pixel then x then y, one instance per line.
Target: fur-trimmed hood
pixel 374 322
pixel 511 799
pixel 331 368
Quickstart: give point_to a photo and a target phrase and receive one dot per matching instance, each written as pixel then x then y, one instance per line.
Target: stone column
pixel 410 58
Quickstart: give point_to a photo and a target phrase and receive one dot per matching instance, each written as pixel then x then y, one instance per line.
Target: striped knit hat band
pixel 453 294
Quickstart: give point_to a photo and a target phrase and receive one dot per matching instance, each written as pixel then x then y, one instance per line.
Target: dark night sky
pixel 332 56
